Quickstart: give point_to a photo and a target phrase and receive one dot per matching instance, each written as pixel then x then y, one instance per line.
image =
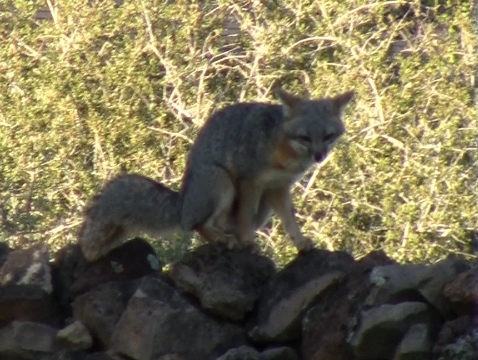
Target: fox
pixel 239 172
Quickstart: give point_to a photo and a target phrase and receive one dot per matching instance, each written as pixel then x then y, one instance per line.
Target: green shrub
pixel 102 89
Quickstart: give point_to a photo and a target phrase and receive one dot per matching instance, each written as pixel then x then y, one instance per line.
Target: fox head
pixel 313 126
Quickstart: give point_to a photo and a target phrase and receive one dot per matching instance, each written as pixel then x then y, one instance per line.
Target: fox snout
pixel 320 156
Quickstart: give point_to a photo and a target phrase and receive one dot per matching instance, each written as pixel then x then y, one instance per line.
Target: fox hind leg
pixel 207 201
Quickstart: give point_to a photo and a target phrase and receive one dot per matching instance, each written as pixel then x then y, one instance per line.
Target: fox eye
pixel 304 138
pixel 329 137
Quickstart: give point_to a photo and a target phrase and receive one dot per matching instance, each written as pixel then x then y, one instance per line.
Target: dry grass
pixel 103 89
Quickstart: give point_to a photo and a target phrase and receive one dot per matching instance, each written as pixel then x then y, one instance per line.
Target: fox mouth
pixel 320 156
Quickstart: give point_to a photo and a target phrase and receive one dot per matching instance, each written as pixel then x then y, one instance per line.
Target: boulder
pixel 289 294
pixel 132 260
pixel 462 292
pixel 381 329
pixel 27 340
pixel 100 308
pixel 28 267
pixel 335 308
pixel 4 252
pixel 249 353
pixel 26 286
pixel 241 353
pixel 26 303
pixel 159 321
pixel 279 353
pixel 415 282
pixel 75 336
pixel 415 345
pixel 226 282
pixel 457 339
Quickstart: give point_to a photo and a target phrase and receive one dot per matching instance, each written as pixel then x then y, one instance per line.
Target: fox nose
pixel 320 156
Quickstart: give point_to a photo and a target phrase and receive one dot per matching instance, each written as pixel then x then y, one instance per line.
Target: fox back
pixel 270 142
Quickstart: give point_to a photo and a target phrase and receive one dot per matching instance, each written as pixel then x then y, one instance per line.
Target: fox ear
pixel 340 101
pixel 289 101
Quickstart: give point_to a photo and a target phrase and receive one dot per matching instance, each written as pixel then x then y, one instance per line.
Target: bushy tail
pixel 127 206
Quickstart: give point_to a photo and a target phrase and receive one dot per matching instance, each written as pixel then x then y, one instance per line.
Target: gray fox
pixel 239 170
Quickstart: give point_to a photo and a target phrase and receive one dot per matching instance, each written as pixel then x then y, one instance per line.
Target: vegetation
pixel 102 89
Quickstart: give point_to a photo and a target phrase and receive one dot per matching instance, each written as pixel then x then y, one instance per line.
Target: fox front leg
pixel 249 197
pixel 281 201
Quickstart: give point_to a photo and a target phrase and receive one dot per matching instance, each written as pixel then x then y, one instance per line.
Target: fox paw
pixel 304 244
pixel 252 246
pixel 230 241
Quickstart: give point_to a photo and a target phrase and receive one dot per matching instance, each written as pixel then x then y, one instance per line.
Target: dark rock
pixel 171 357
pixel 75 336
pixel 28 267
pixel 226 282
pixel 26 303
pixel 290 292
pixel 249 353
pixel 81 355
pixel 132 260
pixel 381 329
pixel 279 353
pixel 462 293
pixel 415 282
pixel 26 340
pixel 68 355
pixel 103 356
pixel 4 252
pixel 25 287
pixel 241 353
pixel 457 339
pixel 463 348
pixel 324 327
pixel 159 321
pixel 100 308
pixel 416 344
pixel 67 266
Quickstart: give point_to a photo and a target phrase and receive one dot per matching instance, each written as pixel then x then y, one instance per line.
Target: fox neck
pixel 286 158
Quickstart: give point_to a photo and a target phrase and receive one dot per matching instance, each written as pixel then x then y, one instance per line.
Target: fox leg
pixel 281 201
pixel 207 199
pixel 249 200
pixel 264 212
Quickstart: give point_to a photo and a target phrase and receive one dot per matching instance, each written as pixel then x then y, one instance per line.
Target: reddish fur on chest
pixel 283 154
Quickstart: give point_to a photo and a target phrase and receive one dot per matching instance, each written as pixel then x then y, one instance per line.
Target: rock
pixel 75 336
pixel 384 327
pixel 68 355
pixel 335 308
pixel 416 345
pixel 26 303
pixel 25 287
pixel 462 293
pixel 27 340
pixel 28 267
pixel 290 292
pixel 100 308
pixel 456 338
pixel 226 282
pixel 463 348
pixel 280 353
pixel 81 355
pixel 132 260
pixel 159 321
pixel 241 353
pixel 415 282
pixel 171 357
pixel 104 356
pixel 248 353
pixel 67 266
pixel 4 252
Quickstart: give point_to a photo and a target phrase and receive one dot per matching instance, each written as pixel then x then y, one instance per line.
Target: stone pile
pixel 231 304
